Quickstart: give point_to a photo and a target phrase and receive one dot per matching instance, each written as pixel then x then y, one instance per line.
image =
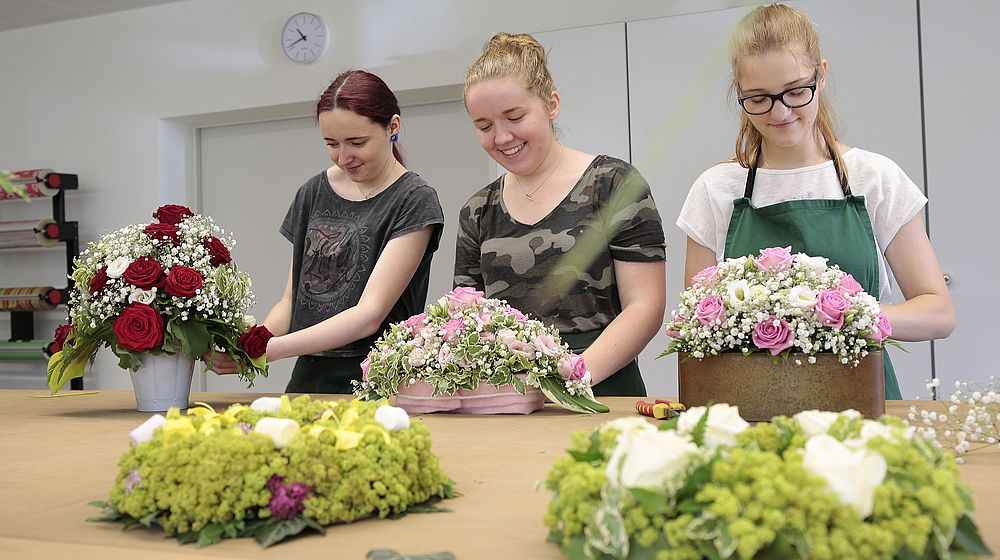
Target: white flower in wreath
pixel 816 422
pixel 652 459
pixel 871 429
pixel 758 293
pixel 392 418
pixel 724 422
pixel 802 297
pixel 142 296
pixel 117 267
pixel 852 474
pixel 418 357
pixel 738 293
pixel 813 264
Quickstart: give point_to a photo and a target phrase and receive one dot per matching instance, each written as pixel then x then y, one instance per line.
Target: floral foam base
pixel 419 398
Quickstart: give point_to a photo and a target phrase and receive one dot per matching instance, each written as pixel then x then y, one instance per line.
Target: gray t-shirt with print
pixel 336 243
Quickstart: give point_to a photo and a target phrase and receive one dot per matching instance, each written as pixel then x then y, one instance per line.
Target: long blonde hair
pixel 764 30
pixel 520 57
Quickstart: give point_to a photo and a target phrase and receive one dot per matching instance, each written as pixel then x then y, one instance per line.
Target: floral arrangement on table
pixel 273 469
pixel 464 340
pixel 166 287
pixel 708 485
pixel 970 420
pixel 780 303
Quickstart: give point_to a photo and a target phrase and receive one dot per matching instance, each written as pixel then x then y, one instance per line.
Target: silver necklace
pixel 530 195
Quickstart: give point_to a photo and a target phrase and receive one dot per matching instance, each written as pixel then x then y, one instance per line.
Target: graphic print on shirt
pixel 334 260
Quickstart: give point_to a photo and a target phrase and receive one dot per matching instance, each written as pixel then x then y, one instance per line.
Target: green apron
pixel 838 229
pixel 324 374
pixel 626 382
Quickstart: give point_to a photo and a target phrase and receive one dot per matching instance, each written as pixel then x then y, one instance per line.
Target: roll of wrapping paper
pixel 39 183
pixel 29 233
pixel 27 350
pixel 36 298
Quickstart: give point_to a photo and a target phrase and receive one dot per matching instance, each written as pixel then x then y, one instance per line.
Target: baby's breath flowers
pixel 970 422
pixel 463 340
pixel 166 287
pixel 206 475
pixel 780 303
pixel 818 485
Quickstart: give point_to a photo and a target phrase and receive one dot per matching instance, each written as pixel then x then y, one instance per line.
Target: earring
pixel 394 137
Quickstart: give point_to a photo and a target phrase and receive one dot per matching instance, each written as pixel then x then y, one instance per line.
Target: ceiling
pixel 15 14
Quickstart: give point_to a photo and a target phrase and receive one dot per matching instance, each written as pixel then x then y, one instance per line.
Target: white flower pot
pixel 163 381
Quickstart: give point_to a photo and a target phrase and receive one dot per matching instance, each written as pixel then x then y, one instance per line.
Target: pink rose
pixel 546 344
pixel 518 316
pixel 774 259
pixel 483 317
pixel 444 355
pixel 710 309
pixel 849 285
pixel 462 297
pixel 830 308
pixel 414 323
pixel 366 364
pixel 883 329
pixel 773 334
pixel 572 367
pixel 487 336
pixel 675 323
pixel 706 275
pixel 522 349
pixel 452 329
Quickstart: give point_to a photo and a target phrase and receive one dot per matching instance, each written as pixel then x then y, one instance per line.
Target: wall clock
pixel 304 38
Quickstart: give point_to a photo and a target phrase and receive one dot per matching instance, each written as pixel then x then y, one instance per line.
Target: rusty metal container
pixel 764 387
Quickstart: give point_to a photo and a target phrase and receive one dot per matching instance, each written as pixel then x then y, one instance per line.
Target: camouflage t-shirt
pixel 560 269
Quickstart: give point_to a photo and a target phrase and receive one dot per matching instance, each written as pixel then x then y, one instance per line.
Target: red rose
pixel 62 333
pixel 218 251
pixel 163 232
pixel 254 341
pixel 144 273
pixel 172 213
pixel 183 281
pixel 139 328
pixel 100 281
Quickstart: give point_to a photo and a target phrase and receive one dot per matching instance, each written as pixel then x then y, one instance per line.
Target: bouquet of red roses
pixel 166 287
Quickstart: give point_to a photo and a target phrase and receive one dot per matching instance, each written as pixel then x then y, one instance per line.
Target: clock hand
pixel 296 41
pixel 300 34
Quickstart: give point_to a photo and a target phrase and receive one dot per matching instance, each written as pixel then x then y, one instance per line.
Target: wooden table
pixel 60 453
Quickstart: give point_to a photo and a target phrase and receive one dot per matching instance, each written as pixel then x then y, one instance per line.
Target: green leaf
pixel 387 554
pixel 556 391
pixel 670 424
pixel 698 434
pixel 654 502
pixel 210 534
pixel 593 453
pixel 193 336
pixel 108 512
pixel 63 367
pixel 147 521
pixel 274 533
pixel 967 538
pixel 187 538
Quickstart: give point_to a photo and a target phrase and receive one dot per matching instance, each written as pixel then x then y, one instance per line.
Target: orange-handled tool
pixel 660 408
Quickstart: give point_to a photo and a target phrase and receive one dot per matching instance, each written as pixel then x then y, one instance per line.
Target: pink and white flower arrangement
pixel 465 339
pixel 169 286
pixel 777 302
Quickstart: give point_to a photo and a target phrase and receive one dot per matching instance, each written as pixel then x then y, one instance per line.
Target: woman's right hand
pixel 222 364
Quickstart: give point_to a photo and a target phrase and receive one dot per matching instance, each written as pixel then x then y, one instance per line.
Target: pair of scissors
pixel 660 408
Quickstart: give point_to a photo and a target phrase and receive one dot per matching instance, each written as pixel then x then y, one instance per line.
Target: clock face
pixel 304 37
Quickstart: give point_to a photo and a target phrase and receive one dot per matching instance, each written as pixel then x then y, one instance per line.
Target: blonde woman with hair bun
pixel 793 183
pixel 571 238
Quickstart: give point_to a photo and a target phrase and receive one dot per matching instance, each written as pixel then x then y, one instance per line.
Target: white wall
pixel 94 96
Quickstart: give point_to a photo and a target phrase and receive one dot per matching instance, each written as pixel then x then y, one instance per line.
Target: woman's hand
pixel 222 364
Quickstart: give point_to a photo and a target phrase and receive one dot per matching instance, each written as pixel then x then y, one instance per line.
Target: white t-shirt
pixel 892 199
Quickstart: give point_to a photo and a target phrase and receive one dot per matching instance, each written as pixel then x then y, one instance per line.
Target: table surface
pixel 61 453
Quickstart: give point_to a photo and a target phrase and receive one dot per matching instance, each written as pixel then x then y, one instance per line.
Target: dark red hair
pixel 361 93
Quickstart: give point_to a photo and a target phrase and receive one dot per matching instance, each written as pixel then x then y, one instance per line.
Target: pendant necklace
pixel 530 195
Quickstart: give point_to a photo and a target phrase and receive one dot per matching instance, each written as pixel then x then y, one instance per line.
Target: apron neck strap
pixel 752 177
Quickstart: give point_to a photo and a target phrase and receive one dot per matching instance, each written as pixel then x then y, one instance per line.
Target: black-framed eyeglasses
pixel 793 98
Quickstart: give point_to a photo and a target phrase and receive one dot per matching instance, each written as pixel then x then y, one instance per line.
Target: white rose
pixel 629 424
pixel 142 296
pixel 652 459
pixel 737 293
pixel 852 474
pixel 145 430
pixel 815 264
pixel 392 418
pixel 418 357
pixel 816 422
pixel 758 293
pixel 268 405
pixel 117 267
pixel 802 297
pixel 281 430
pixel 724 422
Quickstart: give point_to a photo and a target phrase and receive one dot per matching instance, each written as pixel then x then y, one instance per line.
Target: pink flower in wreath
pixel 706 276
pixel 453 329
pixel 518 316
pixel 709 309
pixel 773 334
pixel 830 308
pixel 774 259
pixel 444 355
pixel 883 329
pixel 366 364
pixel 414 323
pixel 672 332
pixel 572 367
pixel 547 345
pixel 462 297
pixel 849 285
